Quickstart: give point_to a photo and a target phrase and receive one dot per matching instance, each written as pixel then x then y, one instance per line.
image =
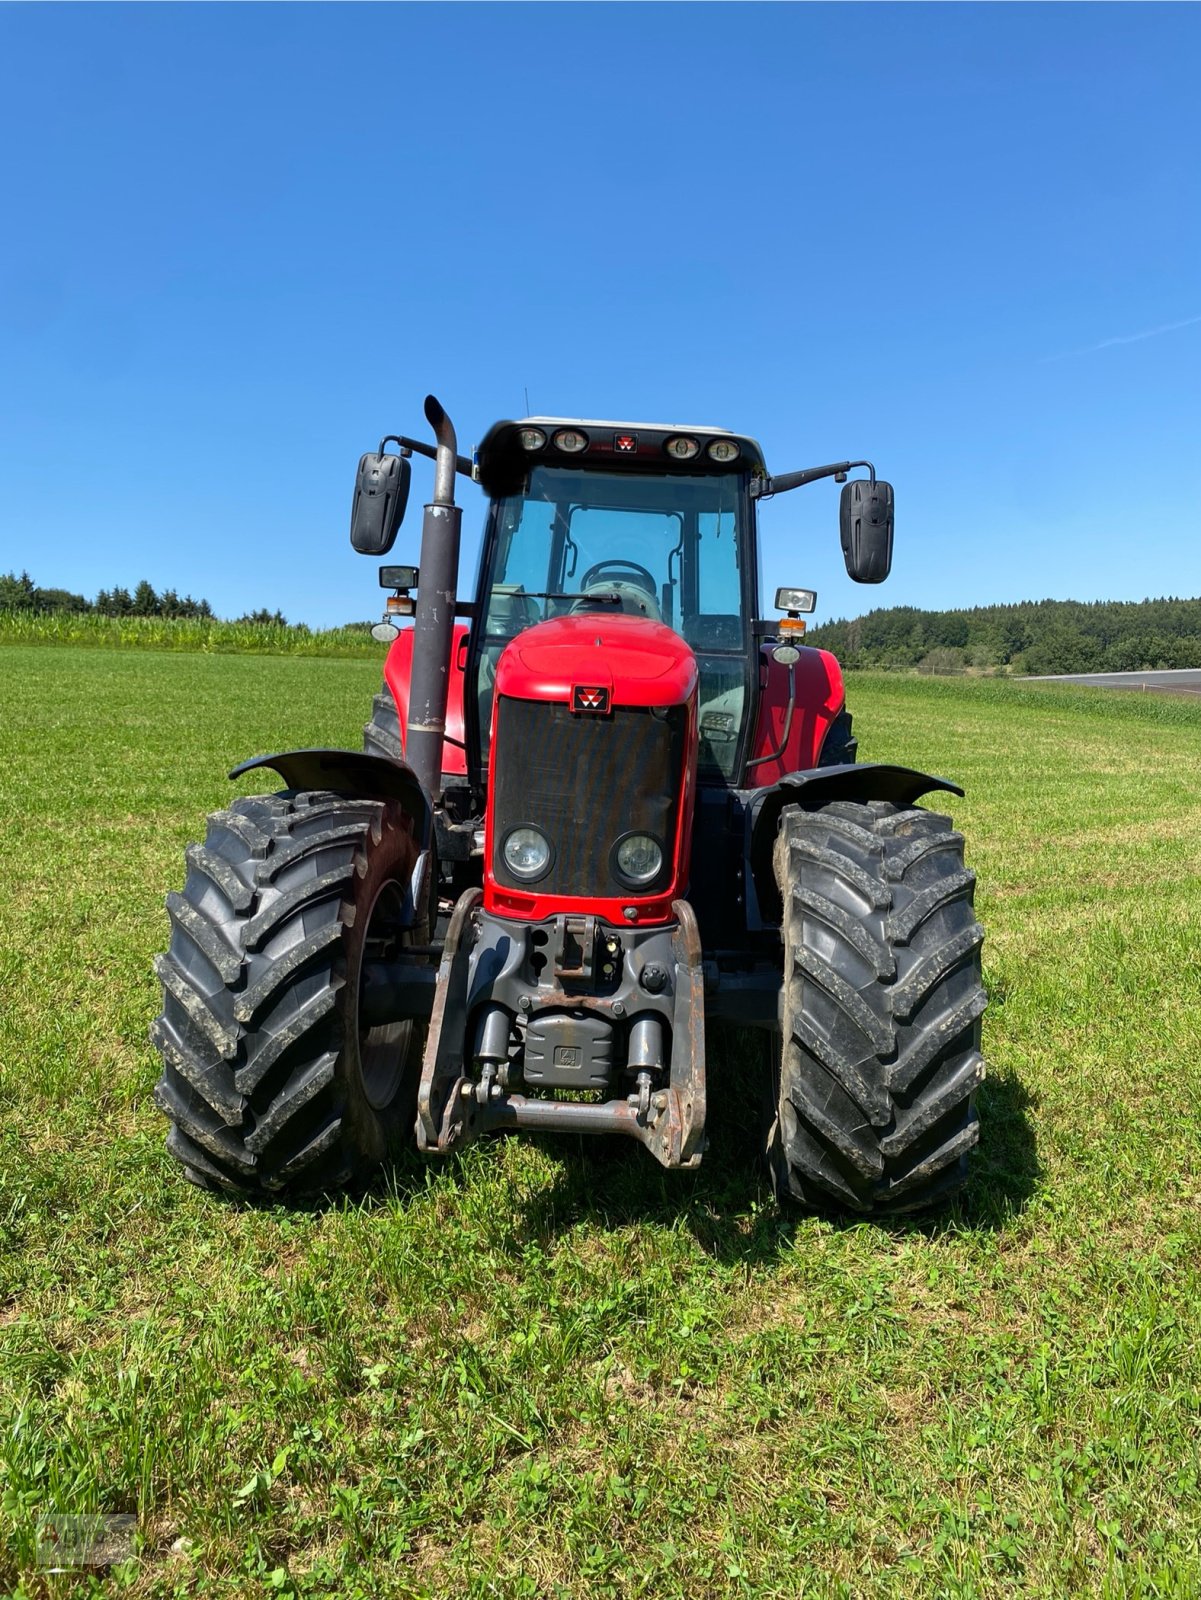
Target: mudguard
pixel 351 772
pixel 398 673
pixel 819 697
pixel 853 781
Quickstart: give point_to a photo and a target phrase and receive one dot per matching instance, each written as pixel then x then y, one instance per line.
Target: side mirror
pixel 865 516
pixel 381 492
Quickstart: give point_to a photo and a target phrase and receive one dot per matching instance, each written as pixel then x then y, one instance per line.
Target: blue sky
pixel 240 243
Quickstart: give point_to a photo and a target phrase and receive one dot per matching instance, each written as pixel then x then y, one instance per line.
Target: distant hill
pixel 1036 636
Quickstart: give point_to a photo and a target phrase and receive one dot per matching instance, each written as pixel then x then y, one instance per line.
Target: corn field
pixel 93 631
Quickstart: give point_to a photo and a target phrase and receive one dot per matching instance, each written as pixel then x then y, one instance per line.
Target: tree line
pixel 1034 636
pixel 22 594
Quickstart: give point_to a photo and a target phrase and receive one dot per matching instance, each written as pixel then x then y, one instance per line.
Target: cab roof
pixel 616 425
pixel 506 453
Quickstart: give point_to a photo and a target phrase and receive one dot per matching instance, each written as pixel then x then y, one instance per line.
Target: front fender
pixel 354 773
pixel 860 781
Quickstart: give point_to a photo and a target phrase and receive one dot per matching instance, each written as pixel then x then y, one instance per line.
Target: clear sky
pixel 239 243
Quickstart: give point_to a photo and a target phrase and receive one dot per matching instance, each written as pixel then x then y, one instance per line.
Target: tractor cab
pixel 606 518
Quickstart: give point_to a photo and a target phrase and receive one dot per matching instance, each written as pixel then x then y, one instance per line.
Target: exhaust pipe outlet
pixel 446 460
pixel 433 625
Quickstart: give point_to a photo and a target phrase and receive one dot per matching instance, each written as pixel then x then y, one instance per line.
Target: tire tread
pixel 252 1035
pixel 881 1007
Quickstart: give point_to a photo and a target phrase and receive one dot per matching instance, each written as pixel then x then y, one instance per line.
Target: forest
pixel 1033 636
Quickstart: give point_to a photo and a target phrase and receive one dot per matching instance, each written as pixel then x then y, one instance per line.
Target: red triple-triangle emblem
pixel 595 700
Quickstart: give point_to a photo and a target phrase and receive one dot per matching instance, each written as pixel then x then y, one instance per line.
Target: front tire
pixel 270 1083
pixel 881 1006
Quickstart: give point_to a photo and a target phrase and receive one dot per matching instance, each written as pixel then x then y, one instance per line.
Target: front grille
pixel 584 782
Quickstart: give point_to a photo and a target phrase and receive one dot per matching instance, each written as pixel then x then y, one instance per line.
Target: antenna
pixel 528 412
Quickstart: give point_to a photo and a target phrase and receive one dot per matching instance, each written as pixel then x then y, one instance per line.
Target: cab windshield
pixel 669 548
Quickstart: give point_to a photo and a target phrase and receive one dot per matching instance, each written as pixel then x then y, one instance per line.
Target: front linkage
pixel 552 1001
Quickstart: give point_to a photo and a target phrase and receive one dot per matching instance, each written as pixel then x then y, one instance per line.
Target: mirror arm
pixel 794 480
pixel 462 465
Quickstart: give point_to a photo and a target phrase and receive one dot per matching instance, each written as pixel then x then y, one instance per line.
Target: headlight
pixel 639 858
pixel 526 853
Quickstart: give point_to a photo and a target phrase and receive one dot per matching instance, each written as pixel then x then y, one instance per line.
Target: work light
pixel 723 450
pixel 796 599
pixel 682 447
pixel 571 441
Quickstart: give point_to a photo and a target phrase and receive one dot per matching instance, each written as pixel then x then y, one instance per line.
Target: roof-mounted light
pixel 532 438
pixel 681 448
pixel 571 441
pixel 723 450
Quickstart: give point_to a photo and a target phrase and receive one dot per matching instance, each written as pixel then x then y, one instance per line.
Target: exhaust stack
pixel 433 630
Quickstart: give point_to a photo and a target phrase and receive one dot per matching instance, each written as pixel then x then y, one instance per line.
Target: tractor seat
pixel 635 600
pixel 719 631
pixel 510 610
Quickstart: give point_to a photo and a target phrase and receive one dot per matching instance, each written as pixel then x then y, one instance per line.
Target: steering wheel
pixel 642 578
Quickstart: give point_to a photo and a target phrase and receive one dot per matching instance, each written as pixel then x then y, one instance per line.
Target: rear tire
pixel 269 1082
pixel 882 1000
pixel 381 736
pixel 840 745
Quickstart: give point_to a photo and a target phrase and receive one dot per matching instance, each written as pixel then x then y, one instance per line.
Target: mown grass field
pixel 548 1368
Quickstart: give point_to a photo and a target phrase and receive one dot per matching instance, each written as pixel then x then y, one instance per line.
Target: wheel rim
pixel 383 1049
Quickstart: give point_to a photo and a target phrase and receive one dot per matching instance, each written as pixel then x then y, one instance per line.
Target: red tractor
pixel 601 806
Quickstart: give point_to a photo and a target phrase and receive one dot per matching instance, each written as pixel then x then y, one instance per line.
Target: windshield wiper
pixel 611 598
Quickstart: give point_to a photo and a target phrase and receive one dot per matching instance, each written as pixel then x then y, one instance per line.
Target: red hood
pixel 641 663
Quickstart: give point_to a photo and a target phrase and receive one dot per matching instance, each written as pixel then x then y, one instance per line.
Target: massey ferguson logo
pixel 593 700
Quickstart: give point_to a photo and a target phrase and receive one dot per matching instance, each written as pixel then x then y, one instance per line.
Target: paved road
pixel 1184 681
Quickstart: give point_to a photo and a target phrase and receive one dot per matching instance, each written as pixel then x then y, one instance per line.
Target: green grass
pixel 547 1367
pixel 91 631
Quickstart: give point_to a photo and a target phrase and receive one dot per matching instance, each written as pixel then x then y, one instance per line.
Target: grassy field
pixel 548 1368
